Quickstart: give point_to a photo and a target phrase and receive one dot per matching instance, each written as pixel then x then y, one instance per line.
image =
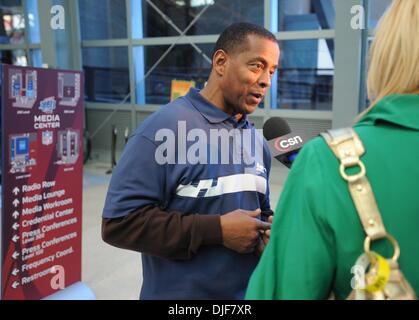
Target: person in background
pixel 317 234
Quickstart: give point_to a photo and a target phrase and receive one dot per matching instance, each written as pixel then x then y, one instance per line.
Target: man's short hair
pixel 234 38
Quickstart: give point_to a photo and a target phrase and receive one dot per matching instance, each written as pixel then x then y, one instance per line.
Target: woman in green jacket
pixel 317 234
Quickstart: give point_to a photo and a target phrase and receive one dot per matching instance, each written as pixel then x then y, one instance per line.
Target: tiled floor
pixel 110 272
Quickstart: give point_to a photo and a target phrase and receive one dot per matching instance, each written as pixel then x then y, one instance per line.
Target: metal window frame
pixel 47 48
pixel 205 39
pixel 348 83
pixel 130 43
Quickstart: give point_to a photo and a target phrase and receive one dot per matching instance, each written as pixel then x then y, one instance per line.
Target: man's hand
pixel 264 238
pixel 241 230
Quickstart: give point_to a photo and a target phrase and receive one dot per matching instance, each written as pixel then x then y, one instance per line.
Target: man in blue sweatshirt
pixel 197 219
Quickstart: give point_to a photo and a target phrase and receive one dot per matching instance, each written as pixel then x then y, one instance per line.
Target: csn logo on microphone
pixel 286 144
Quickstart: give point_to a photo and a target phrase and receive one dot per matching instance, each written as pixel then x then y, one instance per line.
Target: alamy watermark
pixel 213 146
pixel 57 17
pixel 358 280
pixel 358 17
pixel 58 280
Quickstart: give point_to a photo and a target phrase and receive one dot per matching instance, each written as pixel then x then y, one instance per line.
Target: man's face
pixel 248 74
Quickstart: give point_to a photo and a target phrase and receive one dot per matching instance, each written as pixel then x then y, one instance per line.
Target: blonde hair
pixel 394 54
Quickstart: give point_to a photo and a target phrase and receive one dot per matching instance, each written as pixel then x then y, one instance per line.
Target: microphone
pixel 283 143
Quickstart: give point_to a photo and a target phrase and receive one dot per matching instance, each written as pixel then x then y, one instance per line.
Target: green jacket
pixel 317 235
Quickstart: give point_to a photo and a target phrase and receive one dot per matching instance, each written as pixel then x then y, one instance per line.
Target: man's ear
pixel 219 62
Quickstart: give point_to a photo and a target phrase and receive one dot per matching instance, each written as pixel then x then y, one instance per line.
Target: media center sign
pixel 42 171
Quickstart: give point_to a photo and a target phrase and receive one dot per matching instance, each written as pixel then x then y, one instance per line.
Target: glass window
pixel 376 10
pixel 12 26
pixel 365 76
pixel 15 57
pixel 106 74
pixel 103 19
pixel 295 15
pixel 305 76
pixel 182 63
pixel 36 56
pixel 219 15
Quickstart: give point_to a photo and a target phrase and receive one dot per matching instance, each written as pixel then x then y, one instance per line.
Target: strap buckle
pixel 354 177
pixel 367 247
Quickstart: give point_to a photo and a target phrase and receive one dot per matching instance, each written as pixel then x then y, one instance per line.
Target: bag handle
pixel 348 148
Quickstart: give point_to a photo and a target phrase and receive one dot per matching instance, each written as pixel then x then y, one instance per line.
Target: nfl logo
pixel 48 105
pixel 47 138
